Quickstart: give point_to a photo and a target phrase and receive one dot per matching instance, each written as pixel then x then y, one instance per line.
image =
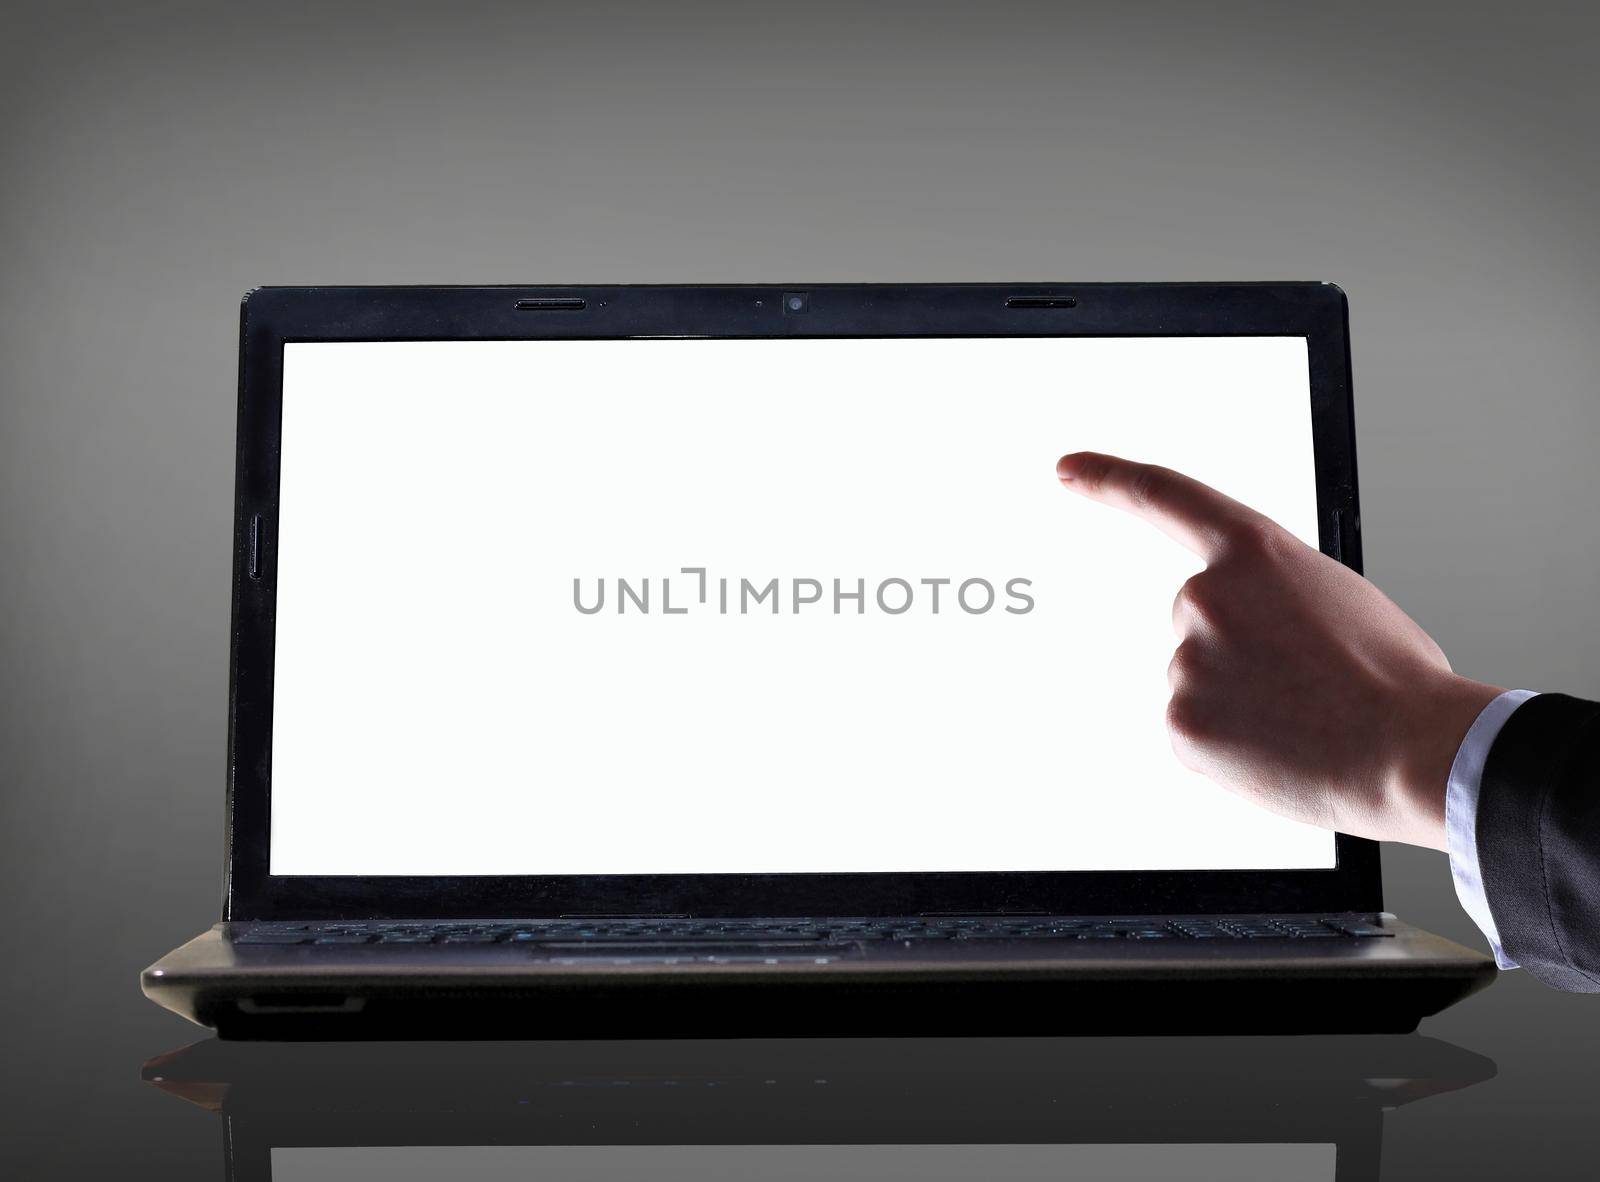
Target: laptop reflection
pixel 925 1109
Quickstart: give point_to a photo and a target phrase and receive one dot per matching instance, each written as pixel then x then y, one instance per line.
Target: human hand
pixel 1296 683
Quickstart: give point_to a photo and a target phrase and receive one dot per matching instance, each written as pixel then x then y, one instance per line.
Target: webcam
pixel 796 301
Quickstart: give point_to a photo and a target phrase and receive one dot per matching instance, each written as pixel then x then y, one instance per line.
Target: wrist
pixel 1436 720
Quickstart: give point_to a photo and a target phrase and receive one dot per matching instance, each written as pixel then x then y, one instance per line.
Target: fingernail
pixel 1066 467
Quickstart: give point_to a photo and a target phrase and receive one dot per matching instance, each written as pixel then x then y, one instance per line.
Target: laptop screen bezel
pixel 274 316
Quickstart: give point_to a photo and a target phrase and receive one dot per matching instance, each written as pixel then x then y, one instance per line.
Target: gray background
pixel 1436 160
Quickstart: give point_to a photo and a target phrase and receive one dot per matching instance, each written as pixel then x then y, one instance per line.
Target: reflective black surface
pixel 926 1108
pixel 1407 1106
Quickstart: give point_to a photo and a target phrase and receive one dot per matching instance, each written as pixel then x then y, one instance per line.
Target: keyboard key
pixel 1363 929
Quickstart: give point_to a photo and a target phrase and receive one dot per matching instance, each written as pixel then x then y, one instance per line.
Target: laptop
pixel 663 661
pixel 1116 1108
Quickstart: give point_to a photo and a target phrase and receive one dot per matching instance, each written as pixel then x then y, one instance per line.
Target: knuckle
pixel 1183 667
pixel 1184 745
pixel 1200 598
pixel 1145 485
pixel 1184 722
pixel 1260 541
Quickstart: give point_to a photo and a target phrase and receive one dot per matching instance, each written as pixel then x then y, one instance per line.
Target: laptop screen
pixel 753 606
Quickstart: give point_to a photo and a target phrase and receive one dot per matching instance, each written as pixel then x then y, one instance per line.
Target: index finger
pixel 1194 515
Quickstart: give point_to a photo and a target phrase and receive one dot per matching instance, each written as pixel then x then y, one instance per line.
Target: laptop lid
pixel 752 600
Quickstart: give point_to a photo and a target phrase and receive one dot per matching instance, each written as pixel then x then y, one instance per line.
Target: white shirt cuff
pixel 1461 814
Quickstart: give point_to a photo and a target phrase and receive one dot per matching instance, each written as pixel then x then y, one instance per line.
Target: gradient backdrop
pixel 1437 160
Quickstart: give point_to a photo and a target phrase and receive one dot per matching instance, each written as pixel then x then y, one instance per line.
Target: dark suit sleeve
pixel 1538 831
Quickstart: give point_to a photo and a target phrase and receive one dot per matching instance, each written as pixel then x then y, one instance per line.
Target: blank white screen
pixel 442 707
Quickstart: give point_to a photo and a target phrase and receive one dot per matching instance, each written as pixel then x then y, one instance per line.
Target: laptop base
pixel 981 988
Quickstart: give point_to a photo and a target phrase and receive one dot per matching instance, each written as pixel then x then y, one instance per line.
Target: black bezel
pixel 272 316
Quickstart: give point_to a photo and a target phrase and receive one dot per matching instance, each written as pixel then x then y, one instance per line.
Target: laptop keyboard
pixel 559 933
